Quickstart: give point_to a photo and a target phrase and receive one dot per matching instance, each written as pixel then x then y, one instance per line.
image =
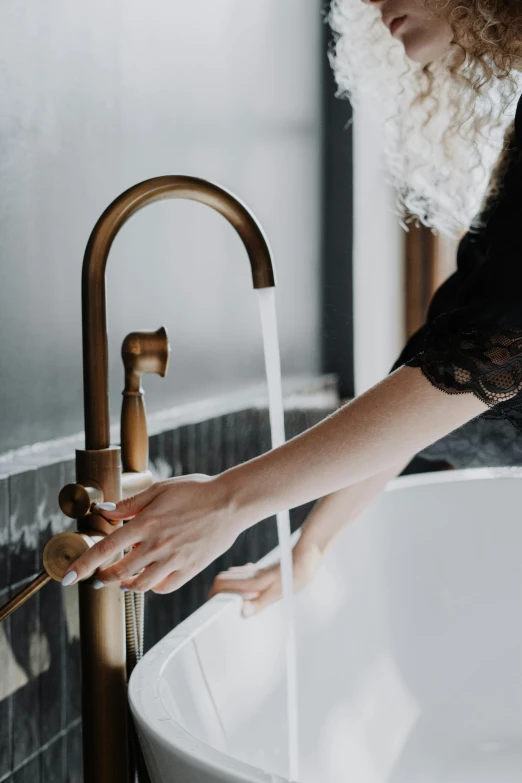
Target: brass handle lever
pixel 142 353
pixel 21 597
pixel 60 551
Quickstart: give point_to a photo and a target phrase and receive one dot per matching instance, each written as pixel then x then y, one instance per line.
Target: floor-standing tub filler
pixel 409 654
pixel 107 472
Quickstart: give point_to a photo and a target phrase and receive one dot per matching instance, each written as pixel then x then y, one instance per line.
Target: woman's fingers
pixel 228 581
pixel 267 597
pixel 128 507
pixel 258 586
pixel 153 575
pixel 172 582
pixel 132 563
pixel 123 538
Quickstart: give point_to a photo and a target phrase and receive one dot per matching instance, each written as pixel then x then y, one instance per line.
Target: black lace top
pixel 472 339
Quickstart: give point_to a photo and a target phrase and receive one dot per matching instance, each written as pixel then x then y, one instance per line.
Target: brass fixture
pixel 99 467
pixel 95 356
pixel 21 597
pixel 142 352
pixel 60 551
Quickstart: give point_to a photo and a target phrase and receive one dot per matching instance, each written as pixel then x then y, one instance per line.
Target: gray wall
pixel 97 96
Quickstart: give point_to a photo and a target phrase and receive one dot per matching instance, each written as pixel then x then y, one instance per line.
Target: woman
pixel 461 373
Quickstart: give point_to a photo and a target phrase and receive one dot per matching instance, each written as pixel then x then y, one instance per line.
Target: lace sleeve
pixel 477 356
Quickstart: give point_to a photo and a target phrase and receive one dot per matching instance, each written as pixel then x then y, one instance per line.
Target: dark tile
pixel 72 655
pixel 53 762
pixel 187 451
pixel 209 457
pixel 6 677
pixel 159 617
pixel 216 461
pixel 68 474
pixel 228 434
pixel 49 482
pixel 202 446
pixel 5 558
pixel 74 755
pixel 52 664
pixel 69 471
pixel 172 448
pixel 5 736
pixel 28 773
pixel 246 428
pixel 23 525
pixel 27 648
pixel 263 430
pixel 157 459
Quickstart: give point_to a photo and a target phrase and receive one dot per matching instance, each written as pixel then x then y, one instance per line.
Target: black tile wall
pixel 51 648
pixel 6 723
pixel 5 560
pixel 40 725
pixel 28 772
pixel 74 754
pixel 53 761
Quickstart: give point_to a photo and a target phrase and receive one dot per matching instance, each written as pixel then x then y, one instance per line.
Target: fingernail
pixel 248 610
pixel 122 587
pixel 106 506
pixel 97 584
pixel 250 596
pixel 69 578
pixel 239 575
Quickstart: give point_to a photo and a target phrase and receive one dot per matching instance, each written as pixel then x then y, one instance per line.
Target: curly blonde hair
pixel 447 123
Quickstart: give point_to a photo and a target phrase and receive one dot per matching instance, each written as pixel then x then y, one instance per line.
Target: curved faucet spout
pixel 95 349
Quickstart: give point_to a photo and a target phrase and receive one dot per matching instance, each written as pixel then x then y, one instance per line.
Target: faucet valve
pixel 60 551
pixel 76 500
pixel 142 353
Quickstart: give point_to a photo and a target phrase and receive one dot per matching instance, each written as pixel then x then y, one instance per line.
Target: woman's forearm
pixel 333 513
pixel 184 523
pixel 387 424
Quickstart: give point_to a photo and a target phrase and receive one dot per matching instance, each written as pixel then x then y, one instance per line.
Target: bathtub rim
pixel 209 757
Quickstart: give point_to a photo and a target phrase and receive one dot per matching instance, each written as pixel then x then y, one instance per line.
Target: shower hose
pixel 134 626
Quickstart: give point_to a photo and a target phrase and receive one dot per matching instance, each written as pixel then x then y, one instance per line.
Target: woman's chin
pixel 423 48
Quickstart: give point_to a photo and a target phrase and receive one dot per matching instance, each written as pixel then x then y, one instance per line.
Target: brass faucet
pixel 106 472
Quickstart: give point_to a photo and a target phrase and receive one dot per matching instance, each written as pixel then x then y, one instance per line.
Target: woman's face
pixel 425 37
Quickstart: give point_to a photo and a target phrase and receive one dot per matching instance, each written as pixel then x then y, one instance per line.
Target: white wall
pixel 96 96
pixel 378 258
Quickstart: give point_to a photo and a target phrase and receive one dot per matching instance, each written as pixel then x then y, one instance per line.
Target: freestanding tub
pixel 409 654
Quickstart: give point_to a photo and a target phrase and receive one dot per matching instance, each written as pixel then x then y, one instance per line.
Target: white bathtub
pixel 410 654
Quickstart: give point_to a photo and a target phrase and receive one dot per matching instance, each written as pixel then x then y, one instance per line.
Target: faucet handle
pixel 60 551
pixel 142 352
pixel 75 500
pixel 21 597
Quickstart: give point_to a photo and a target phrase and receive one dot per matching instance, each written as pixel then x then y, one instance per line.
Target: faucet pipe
pixel 95 350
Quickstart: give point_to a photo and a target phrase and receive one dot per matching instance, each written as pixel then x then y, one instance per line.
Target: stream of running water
pixel 277 428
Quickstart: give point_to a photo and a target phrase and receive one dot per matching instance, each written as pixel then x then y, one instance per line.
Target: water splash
pixel 266 298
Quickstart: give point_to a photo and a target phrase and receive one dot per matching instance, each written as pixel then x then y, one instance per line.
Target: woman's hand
pixel 177 528
pixel 261 587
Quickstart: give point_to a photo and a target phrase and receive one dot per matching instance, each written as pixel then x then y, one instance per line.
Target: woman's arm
pixel 183 524
pixel 261 586
pixel 333 513
pixel 386 425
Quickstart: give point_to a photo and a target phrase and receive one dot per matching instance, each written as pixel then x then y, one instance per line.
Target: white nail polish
pixel 248 610
pixel 97 584
pixel 106 506
pixel 69 578
pixel 250 596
